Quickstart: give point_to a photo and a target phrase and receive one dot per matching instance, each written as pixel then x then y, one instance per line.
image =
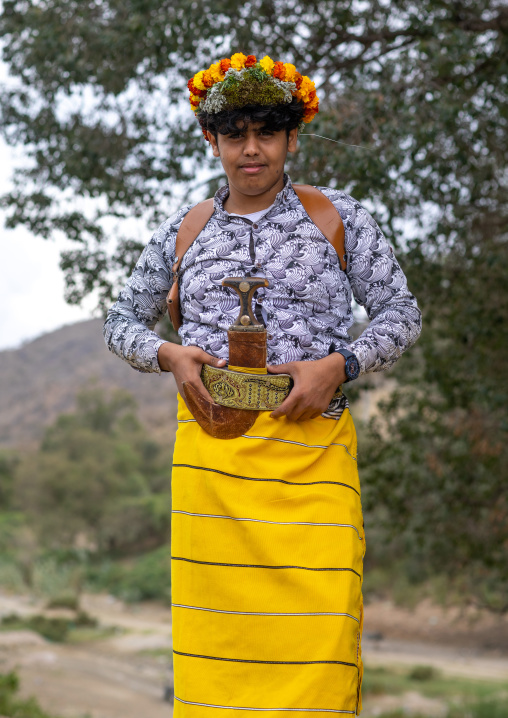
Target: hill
pixel 41 379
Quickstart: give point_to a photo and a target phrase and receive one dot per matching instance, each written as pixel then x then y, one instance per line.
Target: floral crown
pixel 242 80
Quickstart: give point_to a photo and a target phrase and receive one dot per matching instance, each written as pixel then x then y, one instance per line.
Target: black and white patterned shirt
pixel 307 306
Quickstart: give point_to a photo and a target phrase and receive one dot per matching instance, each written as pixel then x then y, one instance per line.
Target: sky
pixel 31 282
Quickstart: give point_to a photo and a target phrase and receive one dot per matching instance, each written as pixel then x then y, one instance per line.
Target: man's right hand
pixel 185 364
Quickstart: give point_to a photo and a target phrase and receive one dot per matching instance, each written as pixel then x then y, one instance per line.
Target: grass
pixel 465 697
pixel 54 629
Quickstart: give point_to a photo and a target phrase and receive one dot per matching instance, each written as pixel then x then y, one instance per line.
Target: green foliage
pixel 8 463
pixel 97 481
pixel 252 89
pixel 11 575
pixel 67 601
pixel 95 88
pixel 434 481
pixel 423 673
pixel 465 697
pixel 14 707
pixel 146 577
pixel 52 628
pixel 487 709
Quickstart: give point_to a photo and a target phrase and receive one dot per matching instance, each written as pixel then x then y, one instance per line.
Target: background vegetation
pixel 97 99
pixel 91 508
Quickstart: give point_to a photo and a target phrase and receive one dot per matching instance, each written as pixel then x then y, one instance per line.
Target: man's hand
pixel 315 384
pixel 185 363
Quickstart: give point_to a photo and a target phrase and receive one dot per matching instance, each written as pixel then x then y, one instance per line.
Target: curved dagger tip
pixel 219 421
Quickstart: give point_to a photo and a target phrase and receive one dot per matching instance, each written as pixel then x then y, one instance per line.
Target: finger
pixel 198 385
pixel 296 415
pixel 280 368
pixel 203 390
pixel 211 361
pixel 301 411
pixel 308 415
pixel 286 408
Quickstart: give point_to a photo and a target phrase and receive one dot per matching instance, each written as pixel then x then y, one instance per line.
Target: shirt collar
pixel 281 198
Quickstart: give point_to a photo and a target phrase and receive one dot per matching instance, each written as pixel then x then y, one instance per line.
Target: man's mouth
pixel 253 168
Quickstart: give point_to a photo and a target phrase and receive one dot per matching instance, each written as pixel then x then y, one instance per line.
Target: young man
pixel 267 533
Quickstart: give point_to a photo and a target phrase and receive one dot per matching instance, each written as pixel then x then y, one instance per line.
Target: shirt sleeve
pixel 129 326
pixel 378 284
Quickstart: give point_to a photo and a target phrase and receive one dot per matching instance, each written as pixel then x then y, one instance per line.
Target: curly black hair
pixel 285 116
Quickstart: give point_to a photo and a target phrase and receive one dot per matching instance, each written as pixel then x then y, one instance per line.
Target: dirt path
pixel 122 676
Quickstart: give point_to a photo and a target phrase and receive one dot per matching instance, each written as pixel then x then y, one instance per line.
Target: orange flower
pixel 309 114
pixel 207 78
pixel 278 70
pixel 225 65
pixel 194 90
pixel 298 80
pixel 312 103
pixel 250 61
pixel 306 87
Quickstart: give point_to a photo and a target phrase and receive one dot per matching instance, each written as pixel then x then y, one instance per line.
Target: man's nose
pixel 251 145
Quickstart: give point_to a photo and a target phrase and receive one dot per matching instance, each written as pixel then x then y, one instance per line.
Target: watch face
pixel 352 367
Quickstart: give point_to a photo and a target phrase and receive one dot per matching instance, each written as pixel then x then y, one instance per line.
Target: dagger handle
pixel 245 288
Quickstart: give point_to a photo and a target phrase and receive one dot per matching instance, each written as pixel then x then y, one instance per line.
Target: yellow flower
pixel 290 72
pixel 267 64
pixel 238 61
pixel 216 72
pixel 305 89
pixel 198 80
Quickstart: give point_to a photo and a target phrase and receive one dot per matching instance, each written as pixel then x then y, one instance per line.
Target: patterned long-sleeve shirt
pixel 307 305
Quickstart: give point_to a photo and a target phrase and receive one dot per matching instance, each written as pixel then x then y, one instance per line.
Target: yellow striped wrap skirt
pixel 267 554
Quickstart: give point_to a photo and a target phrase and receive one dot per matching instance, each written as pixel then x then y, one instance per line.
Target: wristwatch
pixel 352 366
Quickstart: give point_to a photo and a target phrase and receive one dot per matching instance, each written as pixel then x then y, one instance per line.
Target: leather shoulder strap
pixel 192 224
pixel 324 215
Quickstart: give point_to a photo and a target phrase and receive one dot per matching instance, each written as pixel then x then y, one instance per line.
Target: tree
pixel 98 100
pixel 97 477
pixel 97 93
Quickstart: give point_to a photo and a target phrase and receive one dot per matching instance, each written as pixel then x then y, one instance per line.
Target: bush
pixel 12 706
pixel 147 577
pixel 423 673
pixel 53 629
pixel 66 601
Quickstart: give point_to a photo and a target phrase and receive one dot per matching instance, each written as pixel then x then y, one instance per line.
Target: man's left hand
pixel 315 382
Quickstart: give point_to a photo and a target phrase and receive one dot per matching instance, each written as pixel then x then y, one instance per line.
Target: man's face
pixel 253 158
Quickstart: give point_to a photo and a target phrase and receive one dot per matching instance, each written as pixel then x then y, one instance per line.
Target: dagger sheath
pixel 247 350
